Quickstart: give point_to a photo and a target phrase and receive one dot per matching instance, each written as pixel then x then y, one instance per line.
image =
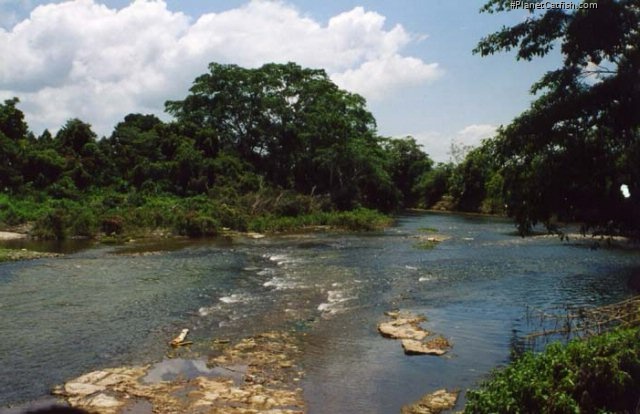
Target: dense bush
pixel 53 225
pixel 134 214
pixel 598 375
pixel 112 225
pixel 194 224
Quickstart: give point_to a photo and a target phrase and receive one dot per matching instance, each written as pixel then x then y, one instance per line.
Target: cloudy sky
pixel 99 60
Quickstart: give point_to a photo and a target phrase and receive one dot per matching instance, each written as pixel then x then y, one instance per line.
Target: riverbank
pixel 119 217
pixel 456 212
pixel 599 374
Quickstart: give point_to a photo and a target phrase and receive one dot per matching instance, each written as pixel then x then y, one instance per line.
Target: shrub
pixel 84 223
pixel 193 224
pixel 64 188
pixel 52 226
pixel 358 219
pixel 113 200
pixel 112 225
pixel 15 211
pixel 597 375
pixel 231 217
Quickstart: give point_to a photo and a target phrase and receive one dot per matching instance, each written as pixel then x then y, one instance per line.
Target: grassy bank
pixel 117 215
pixel 597 375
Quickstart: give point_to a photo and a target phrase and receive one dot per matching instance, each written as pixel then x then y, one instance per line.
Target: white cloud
pixel 376 78
pixel 82 59
pixel 474 134
pixel 435 144
pixel 438 145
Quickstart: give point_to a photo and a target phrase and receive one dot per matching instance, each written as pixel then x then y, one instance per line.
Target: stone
pixel 104 401
pixel 80 388
pixel 403 326
pixel 268 357
pixel 413 347
pixel 434 403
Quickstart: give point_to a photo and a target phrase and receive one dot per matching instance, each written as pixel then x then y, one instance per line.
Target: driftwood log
pixel 180 339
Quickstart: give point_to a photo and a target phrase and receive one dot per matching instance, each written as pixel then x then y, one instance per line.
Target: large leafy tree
pixel 293 125
pixel 475 182
pixel 84 161
pixel 407 166
pixel 13 140
pixel 568 155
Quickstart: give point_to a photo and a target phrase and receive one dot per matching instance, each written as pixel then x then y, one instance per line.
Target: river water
pixel 110 306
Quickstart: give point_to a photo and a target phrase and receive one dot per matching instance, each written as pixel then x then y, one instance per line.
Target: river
pixel 118 305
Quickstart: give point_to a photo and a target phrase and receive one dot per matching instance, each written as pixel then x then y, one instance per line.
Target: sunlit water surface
pixel 103 306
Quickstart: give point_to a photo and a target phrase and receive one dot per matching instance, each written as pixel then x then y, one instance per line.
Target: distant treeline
pixel 246 148
pixel 252 149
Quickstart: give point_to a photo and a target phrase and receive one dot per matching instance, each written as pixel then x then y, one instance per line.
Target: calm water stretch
pixel 112 306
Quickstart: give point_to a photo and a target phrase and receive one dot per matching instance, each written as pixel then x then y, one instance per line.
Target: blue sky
pixel 99 60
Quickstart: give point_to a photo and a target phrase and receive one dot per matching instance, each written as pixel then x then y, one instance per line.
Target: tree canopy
pixel 295 126
pixel 568 155
pixel 244 144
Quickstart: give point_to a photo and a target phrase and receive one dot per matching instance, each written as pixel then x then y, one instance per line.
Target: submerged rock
pixel 270 358
pixel 434 403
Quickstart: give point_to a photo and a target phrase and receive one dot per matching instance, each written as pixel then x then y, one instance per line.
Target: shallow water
pixel 109 306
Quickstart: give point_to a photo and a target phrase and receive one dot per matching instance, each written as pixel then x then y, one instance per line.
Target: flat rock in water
pixel 434 403
pixel 403 326
pixel 435 238
pixel 269 358
pixel 402 331
pixel 413 347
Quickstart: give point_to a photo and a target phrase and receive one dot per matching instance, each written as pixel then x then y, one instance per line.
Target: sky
pixel 99 60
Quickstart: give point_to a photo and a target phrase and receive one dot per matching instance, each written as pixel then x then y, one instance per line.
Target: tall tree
pixel 407 166
pixel 291 124
pixel 76 142
pixel 13 140
pixel 570 153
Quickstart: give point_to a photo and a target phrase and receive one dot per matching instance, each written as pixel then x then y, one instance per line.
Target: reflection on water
pixel 54 246
pixel 104 307
pixel 186 369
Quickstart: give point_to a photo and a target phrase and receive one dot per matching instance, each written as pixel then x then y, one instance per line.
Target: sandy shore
pixel 9 235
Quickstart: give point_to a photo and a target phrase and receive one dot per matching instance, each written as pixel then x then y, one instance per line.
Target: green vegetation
pixel 276 148
pixel 566 158
pixel 359 219
pixel 597 375
pixel 568 155
pixel 472 182
pixel 427 244
pixel 127 215
pixel 428 229
pixel 281 146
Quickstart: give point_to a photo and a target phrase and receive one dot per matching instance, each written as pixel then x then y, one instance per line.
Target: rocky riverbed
pixel 255 375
